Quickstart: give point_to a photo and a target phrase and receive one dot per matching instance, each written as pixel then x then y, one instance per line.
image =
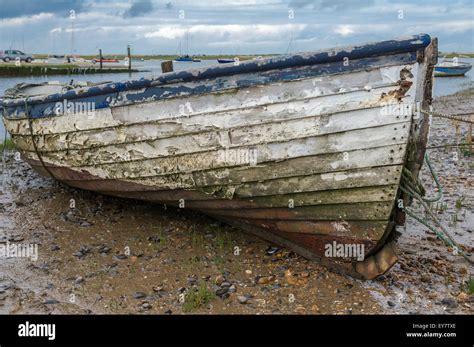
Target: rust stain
pixel 404 85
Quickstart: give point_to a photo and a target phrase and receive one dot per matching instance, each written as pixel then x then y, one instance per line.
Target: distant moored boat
pixel 451 68
pixel 106 60
pixel 225 61
pixel 184 58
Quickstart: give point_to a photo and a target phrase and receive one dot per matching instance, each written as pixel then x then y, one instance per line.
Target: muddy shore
pixel 98 254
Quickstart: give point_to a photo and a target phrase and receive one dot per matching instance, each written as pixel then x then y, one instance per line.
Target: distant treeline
pixel 10 70
pixel 456 54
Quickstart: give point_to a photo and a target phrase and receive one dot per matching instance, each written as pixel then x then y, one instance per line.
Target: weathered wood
pixel 335 93
pixel 337 180
pixel 167 66
pixel 300 123
pixel 110 164
pixel 319 163
pixel 371 230
pixel 309 198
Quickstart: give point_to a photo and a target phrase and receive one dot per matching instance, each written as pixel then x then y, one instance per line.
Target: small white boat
pixel 452 68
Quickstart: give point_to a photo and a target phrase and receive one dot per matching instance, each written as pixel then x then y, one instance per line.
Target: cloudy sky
pixel 227 26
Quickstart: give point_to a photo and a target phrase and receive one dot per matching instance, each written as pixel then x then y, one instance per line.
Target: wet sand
pixel 99 254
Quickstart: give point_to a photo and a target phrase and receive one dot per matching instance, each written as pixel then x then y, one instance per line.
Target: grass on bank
pixel 197 297
pixel 456 54
pixel 24 69
pixel 7 144
pixel 470 285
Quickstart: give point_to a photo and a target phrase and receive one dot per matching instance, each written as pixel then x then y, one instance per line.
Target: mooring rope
pixel 455 117
pixel 413 188
pixel 4 141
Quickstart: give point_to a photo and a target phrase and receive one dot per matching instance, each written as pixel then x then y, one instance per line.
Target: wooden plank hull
pixel 304 157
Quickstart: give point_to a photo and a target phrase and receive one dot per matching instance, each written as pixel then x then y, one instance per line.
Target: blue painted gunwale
pixel 254 72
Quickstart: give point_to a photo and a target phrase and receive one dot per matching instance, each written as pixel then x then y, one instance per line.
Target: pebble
pixel 155 239
pixel 222 292
pixel 305 274
pixel 265 279
pixel 450 302
pixel 98 297
pixel 103 249
pixel 272 250
pixel 425 278
pixel 79 280
pixel 300 309
pixel 51 302
pixel 391 303
pixel 139 295
pixel 242 299
pixel 220 279
pixel 55 248
pixel 192 280
pixel 146 306
pixel 83 251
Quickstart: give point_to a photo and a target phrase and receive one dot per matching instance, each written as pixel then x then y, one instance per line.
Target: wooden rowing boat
pixel 304 150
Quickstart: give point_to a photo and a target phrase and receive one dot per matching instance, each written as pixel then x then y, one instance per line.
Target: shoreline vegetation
pixel 6 145
pixel 12 70
pixel 456 54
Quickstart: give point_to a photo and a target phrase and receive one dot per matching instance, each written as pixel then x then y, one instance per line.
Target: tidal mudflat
pixel 98 254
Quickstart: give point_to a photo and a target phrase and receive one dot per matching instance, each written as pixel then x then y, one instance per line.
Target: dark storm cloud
pixel 330 5
pixel 16 8
pixel 139 9
pixel 228 26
